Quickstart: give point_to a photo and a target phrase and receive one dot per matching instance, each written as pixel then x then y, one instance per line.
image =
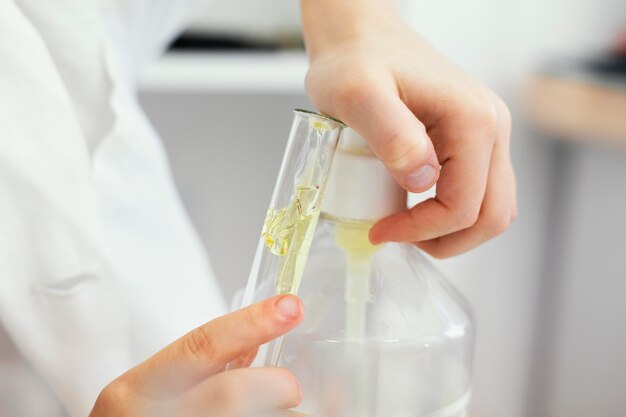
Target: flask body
pixel 384 334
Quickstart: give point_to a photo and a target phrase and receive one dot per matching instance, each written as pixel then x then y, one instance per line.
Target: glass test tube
pixel 293 213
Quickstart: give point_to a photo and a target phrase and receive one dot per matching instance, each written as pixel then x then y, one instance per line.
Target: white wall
pixel 522 370
pixel 580 360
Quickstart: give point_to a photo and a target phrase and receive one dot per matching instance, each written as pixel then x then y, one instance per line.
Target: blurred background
pixel 550 294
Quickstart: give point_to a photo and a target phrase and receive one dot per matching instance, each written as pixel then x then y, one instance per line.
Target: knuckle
pixel 487 120
pixel 260 319
pixel 351 93
pixel 355 87
pixel 249 357
pixel 397 151
pixel 481 116
pixel 499 224
pixel 252 317
pixel 466 218
pixel 504 114
pixel 115 396
pixel 200 344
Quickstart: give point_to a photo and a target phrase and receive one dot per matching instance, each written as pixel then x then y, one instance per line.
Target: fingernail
pixel 421 178
pixel 288 307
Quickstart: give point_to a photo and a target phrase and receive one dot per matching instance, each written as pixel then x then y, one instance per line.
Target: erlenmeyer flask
pixel 384 335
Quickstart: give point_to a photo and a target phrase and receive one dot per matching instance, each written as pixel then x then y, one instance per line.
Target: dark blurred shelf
pixel 208 42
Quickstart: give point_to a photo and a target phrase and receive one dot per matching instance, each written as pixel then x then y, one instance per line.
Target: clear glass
pixel 295 207
pixel 384 334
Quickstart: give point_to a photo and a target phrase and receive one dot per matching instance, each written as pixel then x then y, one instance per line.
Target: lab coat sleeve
pixel 58 302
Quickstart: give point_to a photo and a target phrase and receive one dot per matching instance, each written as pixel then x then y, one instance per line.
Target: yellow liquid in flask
pixel 353 239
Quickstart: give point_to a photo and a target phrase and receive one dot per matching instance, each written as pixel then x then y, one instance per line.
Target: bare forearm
pixel 331 22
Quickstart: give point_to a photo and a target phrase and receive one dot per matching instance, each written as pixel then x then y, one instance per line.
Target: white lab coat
pixel 99 264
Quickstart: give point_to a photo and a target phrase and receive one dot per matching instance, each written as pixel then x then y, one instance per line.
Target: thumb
pixel 396 136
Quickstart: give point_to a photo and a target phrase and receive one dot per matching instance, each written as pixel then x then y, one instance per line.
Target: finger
pixel 497 211
pixel 242 392
pixel 465 149
pixel 243 361
pixel 205 350
pixel 396 136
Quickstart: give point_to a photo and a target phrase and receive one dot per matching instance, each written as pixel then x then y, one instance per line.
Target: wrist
pixel 328 23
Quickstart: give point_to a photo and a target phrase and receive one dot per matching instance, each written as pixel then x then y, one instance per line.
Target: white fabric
pixel 99 264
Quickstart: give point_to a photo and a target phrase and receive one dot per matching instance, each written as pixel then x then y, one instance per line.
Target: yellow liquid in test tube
pixel 288 233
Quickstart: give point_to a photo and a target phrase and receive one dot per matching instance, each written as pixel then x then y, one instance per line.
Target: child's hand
pixel 188 379
pixel 428 122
